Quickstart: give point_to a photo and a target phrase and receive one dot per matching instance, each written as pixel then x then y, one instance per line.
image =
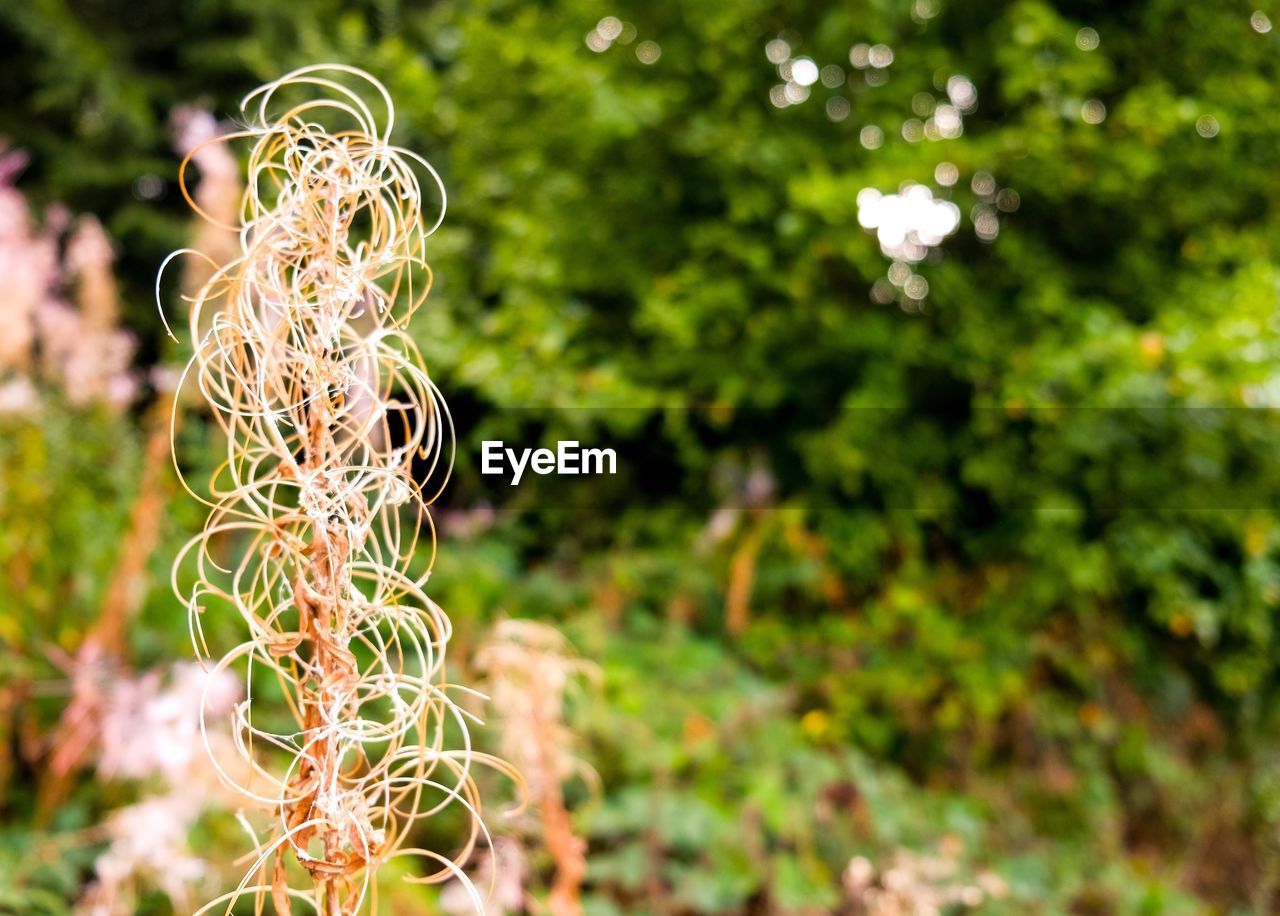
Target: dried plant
pixel 919 883
pixel 302 353
pixel 528 668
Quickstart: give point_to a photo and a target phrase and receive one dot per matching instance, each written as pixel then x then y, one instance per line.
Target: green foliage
pixel 67 479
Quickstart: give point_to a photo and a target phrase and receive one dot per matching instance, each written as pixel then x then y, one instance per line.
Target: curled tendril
pixel 302 354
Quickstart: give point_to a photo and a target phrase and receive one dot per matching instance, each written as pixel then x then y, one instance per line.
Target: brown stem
pixel 742 577
pixel 77 728
pixel 318 596
pixel 567 849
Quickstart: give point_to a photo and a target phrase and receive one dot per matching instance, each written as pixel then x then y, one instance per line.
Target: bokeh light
pixel 795 93
pixel 837 108
pixel 1087 39
pixel 985 223
pixel 962 92
pixel 609 28
pixel 916 287
pixel 882 291
pixel 880 56
pixel 984 185
pixel 924 10
pixel 909 223
pixel 648 52
pixel 804 71
pixel 1008 200
pixel 947 120
pixel 1207 126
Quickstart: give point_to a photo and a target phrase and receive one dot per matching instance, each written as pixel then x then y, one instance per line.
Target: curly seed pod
pixel 302 355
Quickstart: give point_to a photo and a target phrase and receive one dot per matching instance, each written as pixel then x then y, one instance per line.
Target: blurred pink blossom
pixel 148 841
pixel 149 727
pixel 217 188
pixel 504 866
pixel 47 340
pixel 28 262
